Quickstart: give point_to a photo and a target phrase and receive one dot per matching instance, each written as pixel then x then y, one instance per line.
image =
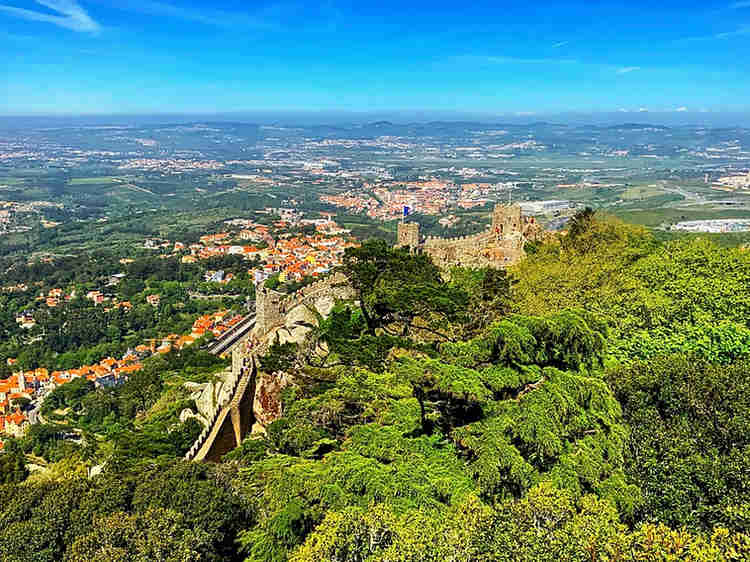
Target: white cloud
pixel 643 110
pixel 560 44
pixel 215 18
pixel 743 30
pixel 742 4
pixel 482 59
pixel 73 16
pixel 681 109
pixel 269 18
pixel 628 69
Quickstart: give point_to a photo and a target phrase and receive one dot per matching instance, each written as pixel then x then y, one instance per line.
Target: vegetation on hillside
pixel 591 403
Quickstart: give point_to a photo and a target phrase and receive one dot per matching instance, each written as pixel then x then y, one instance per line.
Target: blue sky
pixel 494 57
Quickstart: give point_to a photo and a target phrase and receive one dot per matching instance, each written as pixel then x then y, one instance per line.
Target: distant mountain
pixel 637 127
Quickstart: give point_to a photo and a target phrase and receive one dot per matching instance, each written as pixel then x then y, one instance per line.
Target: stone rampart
pixel 501 245
pixel 459 242
pixel 268 310
pixel 228 392
pixel 272 307
pixel 334 286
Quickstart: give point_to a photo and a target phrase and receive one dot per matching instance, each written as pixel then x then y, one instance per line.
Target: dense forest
pixel 84 332
pixel 591 403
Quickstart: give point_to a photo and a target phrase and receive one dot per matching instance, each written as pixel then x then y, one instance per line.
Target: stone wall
pixel 243 395
pixel 336 286
pixel 272 307
pixel 506 219
pixel 501 245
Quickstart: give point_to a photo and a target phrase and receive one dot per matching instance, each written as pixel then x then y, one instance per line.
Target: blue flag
pixel 406 211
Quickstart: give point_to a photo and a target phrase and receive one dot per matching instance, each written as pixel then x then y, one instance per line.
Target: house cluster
pixel 430 196
pixel 279 251
pixel 386 201
pixel 170 165
pixel 219 276
pixel 18 288
pixel 56 296
pixel 97 297
pixel 14 424
pixel 296 257
pixel 216 323
pixel 353 201
pixel 34 384
pixel 26 320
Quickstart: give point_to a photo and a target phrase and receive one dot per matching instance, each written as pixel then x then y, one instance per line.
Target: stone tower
pixel 506 220
pixel 268 313
pixel 408 235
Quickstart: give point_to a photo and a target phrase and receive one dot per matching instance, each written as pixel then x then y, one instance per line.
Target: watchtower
pixel 506 219
pixel 268 311
pixel 408 235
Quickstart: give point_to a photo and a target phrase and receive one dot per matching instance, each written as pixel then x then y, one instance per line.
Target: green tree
pixel 689 448
pixel 158 535
pixel 395 288
pixel 12 463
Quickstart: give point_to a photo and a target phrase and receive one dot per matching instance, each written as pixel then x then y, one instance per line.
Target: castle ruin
pixel 501 245
pixel 247 400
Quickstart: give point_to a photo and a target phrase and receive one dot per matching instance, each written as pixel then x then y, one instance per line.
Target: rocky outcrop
pixel 267 401
pixel 210 396
pixel 188 414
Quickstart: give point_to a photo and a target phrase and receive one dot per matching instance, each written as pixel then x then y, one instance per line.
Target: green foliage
pixel 718 343
pixel 48 441
pixel 489 292
pixel 547 525
pixel 293 495
pixel 689 450
pixel 68 395
pixel 158 535
pixel 203 498
pixel 395 288
pixel 570 339
pixel 432 418
pixel 565 429
pixel 682 296
pixel 12 463
pixel 171 512
pixel 347 341
pixel 280 357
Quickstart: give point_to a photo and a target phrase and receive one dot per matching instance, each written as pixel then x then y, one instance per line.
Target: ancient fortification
pixel 500 245
pixel 246 400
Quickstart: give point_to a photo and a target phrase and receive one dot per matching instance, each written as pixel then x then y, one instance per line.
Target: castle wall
pixel 500 245
pixel 507 219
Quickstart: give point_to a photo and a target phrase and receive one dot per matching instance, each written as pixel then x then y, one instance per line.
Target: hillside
pixel 590 403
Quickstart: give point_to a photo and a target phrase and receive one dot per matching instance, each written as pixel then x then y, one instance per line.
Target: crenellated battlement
pixel 272 307
pixel 498 246
pixel 459 240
